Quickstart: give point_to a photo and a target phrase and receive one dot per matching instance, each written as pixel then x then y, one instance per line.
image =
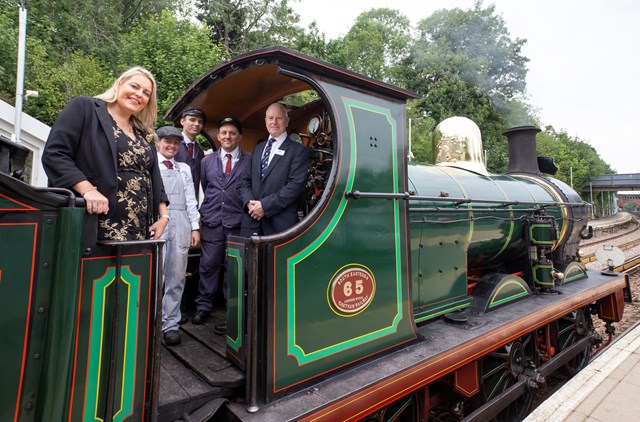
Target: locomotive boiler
pixel 405 292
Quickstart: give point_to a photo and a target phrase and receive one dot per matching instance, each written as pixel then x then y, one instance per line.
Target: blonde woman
pixel 103 149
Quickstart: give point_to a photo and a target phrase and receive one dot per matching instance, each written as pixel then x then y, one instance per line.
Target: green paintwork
pixel 235 300
pixel 508 291
pixel 129 293
pixel 574 271
pixel 542 275
pixel 29 253
pixel 94 321
pixel 445 245
pixel 540 235
pixel 369 157
pixel 17 270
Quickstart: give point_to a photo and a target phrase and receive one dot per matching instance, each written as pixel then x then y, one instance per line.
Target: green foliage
pixel 574 158
pixel 376 44
pixel 465 64
pixel 243 25
pixel 58 83
pixel 176 52
pixel 8 57
pixel 93 27
pixel 475 44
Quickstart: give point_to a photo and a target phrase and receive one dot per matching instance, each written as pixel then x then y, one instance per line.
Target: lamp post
pixel 22 37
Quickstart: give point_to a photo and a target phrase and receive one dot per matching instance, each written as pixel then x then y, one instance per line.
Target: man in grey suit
pixel 221 211
pixel 274 182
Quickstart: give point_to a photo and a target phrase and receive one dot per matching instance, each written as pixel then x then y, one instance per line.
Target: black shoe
pixel 220 328
pixel 184 319
pixel 200 317
pixel 172 337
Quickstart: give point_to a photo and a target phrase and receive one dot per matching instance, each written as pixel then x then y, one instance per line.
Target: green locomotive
pixel 406 292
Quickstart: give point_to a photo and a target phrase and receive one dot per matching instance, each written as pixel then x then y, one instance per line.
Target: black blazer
pixel 283 184
pixel 81 147
pixel 195 164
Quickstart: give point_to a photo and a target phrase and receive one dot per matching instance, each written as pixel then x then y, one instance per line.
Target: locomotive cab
pixel 346 262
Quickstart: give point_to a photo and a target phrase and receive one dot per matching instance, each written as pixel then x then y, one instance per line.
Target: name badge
pixel 279 152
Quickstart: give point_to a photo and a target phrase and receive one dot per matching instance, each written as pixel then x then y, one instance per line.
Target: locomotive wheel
pixel 405 409
pixel 571 328
pixel 501 368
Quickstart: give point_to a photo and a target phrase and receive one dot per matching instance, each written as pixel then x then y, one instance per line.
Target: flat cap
pixel 169 132
pixel 231 121
pixel 193 112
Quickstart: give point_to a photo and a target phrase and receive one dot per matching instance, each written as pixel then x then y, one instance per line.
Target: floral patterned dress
pixel 131 218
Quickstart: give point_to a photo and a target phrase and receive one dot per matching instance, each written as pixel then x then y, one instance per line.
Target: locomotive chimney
pixel 523 157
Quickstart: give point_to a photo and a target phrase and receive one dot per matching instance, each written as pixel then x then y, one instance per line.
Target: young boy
pixel 182 231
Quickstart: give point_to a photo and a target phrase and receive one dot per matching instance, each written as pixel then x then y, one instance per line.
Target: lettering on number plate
pixel 351 290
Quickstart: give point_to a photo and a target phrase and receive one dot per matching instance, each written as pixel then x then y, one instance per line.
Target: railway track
pixel 609 238
pixel 631 317
pixel 625 240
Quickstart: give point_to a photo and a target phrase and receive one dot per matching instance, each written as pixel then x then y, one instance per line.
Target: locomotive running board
pixel 447 347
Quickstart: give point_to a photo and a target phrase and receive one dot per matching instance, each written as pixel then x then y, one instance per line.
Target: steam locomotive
pixel 405 292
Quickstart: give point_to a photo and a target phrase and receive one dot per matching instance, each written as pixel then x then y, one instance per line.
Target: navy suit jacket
pixel 279 191
pixel 195 164
pixel 81 146
pixel 222 203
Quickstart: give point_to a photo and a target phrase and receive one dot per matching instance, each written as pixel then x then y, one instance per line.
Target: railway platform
pixel 608 389
pixel 606 224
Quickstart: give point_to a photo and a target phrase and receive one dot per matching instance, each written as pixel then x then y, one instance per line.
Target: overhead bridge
pixel 614 183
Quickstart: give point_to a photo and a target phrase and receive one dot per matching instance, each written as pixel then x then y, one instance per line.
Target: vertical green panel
pixel 236 300
pixel 93 340
pixel 347 275
pixel 17 267
pixel 58 365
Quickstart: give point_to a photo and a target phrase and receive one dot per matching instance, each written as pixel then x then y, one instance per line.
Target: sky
pixel 584 68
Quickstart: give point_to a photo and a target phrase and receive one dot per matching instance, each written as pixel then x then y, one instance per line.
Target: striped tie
pixel 265 157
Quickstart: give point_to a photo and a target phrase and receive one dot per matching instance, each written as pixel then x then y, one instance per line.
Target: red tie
pixel 169 164
pixel 190 150
pixel 227 168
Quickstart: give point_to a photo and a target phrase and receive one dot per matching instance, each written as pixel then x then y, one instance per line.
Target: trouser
pixel 176 254
pixel 213 247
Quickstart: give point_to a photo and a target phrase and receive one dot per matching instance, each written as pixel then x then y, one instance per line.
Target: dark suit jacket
pixel 283 184
pixel 195 164
pixel 81 147
pixel 222 203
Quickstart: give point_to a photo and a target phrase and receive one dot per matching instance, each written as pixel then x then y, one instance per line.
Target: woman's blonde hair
pixel 145 119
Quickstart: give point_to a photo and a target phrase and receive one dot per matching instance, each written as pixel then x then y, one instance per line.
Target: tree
pixel 574 158
pixel 93 27
pixel 465 64
pixel 477 43
pixel 243 25
pixel 8 57
pixel 176 52
pixel 376 44
pixel 58 83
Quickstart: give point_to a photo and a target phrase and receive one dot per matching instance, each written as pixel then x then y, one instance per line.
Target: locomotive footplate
pixel 446 347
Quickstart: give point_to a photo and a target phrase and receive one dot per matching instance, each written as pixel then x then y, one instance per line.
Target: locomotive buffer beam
pixel 492 408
